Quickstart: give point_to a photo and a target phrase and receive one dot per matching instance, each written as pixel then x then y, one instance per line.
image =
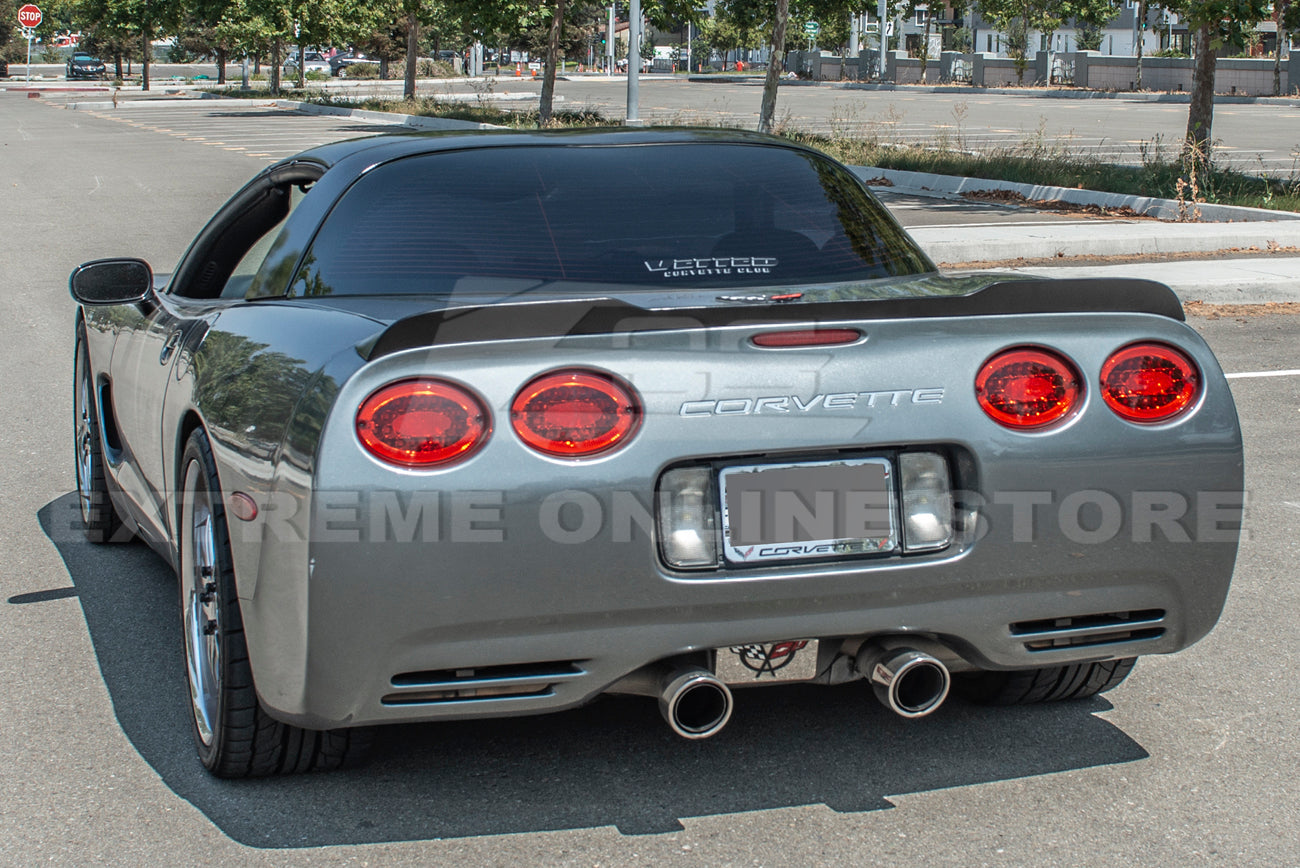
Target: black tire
pixel 99 519
pixel 1050 684
pixel 233 733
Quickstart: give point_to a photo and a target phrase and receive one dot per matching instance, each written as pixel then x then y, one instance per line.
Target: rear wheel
pixel 1050 684
pixel 100 519
pixel 234 735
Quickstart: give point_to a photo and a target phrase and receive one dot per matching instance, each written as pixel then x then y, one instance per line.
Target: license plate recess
pixel 808 510
pixel 762 662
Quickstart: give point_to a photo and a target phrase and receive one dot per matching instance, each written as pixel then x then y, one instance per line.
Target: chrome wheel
pixel 202 613
pixel 84 445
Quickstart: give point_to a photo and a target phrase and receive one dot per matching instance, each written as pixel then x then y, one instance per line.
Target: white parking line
pixel 1250 374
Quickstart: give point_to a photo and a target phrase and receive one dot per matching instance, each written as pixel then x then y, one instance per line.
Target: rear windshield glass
pixel 664 217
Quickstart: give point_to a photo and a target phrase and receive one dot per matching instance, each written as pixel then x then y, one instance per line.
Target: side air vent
pixel 515 681
pixel 1085 630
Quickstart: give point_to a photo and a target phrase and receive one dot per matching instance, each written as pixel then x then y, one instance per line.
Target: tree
pixel 1287 17
pixel 1092 16
pixel 781 20
pixel 547 101
pixel 1215 23
pixel 1016 18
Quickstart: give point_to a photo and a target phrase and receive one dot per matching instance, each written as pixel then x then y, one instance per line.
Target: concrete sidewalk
pixel 1232 273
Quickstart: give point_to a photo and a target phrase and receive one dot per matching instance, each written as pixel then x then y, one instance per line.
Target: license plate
pixel 809 510
pixel 794 660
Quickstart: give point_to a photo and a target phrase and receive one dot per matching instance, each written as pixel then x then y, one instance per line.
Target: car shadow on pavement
pixel 612 763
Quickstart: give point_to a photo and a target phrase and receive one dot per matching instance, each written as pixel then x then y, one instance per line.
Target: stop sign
pixel 29 16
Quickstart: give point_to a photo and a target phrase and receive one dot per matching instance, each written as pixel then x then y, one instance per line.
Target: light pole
pixel 634 63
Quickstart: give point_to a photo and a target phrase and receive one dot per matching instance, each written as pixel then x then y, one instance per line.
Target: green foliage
pixel 1231 21
pixel 1089 37
pixel 361 70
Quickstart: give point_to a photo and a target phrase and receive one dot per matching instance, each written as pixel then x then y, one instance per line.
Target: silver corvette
pixel 450 426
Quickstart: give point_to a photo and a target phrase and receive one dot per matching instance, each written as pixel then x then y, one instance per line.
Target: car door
pixel 211 275
pixel 140 371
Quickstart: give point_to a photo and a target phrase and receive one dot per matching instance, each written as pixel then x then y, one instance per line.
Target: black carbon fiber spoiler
pixel 608 316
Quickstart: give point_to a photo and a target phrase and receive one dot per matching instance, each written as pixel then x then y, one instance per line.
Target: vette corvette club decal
pixel 711 266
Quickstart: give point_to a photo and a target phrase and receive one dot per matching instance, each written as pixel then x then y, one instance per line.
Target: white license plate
pixel 793 660
pixel 810 510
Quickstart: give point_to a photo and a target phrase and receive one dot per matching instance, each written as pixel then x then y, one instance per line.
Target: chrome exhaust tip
pixel 695 703
pixel 909 683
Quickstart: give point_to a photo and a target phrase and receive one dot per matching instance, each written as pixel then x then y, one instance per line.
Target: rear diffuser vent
pixel 513 681
pixel 1080 631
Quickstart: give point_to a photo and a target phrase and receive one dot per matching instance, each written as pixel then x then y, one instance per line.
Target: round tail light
pixel 1027 387
pixel 1149 382
pixel 575 413
pixel 422 423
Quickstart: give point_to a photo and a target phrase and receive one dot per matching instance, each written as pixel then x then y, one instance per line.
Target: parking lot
pixel 1190 762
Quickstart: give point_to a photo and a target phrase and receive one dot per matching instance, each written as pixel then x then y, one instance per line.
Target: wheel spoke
pixel 202 610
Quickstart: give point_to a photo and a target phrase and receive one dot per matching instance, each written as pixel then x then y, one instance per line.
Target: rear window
pixel 662 216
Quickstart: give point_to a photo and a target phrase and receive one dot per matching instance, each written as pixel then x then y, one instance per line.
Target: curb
pixel 944 186
pixel 1227 281
pixel 1002 243
pixel 414 121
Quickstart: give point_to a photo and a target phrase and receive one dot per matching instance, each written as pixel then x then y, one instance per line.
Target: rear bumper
pixel 388 636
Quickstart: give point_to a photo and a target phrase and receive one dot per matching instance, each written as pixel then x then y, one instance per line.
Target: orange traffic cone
pixel 518 70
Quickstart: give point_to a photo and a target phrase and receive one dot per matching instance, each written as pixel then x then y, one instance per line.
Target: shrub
pixel 361 70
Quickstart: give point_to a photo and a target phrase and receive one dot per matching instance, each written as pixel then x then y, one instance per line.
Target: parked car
pixel 313 61
pixel 408 467
pixel 84 65
pixel 340 62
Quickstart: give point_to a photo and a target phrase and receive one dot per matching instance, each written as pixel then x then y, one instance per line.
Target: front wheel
pixel 233 733
pixel 1049 684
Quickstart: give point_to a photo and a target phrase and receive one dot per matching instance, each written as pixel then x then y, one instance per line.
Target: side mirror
pixel 111 281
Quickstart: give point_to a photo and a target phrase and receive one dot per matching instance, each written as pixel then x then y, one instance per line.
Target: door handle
pixel 173 341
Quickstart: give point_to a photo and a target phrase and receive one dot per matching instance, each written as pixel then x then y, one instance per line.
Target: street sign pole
pixel 29 18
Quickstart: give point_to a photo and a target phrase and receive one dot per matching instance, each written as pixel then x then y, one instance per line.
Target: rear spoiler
pixel 609 316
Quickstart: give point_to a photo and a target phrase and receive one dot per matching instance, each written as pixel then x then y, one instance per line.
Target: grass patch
pixel 1159 175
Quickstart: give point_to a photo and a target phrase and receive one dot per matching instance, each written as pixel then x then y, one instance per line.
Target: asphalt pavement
pixel 1190 762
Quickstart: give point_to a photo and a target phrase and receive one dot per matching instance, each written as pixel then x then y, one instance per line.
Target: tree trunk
pixel 144 65
pixel 117 64
pixel 1141 34
pixel 1200 115
pixel 1278 7
pixel 546 105
pixel 925 46
pixel 412 50
pixel 774 66
pixel 221 66
pixel 302 65
pixel 274 74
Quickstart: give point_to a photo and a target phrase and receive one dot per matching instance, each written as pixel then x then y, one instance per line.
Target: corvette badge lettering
pixel 817 403
pixel 711 266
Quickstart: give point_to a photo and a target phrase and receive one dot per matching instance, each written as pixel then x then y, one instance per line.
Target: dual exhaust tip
pixel 908 682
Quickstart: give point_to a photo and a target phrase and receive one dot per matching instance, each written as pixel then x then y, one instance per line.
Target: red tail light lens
pixel 575 413
pixel 1027 387
pixel 1149 382
pixel 422 423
